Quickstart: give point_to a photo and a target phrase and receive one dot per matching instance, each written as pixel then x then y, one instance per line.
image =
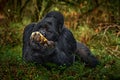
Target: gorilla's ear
pixel 59 17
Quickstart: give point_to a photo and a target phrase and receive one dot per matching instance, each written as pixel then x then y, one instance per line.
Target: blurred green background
pixel 96 23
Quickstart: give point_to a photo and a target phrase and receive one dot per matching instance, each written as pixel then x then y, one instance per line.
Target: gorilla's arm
pixel 86 56
pixel 26 39
pixel 31 50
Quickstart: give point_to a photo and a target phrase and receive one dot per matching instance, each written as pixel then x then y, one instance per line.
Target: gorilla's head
pixel 59 19
pixel 51 25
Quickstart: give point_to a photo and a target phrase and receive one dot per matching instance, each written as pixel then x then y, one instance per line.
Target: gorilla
pixel 61 47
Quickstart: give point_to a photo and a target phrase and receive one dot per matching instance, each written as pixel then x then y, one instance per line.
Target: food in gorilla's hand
pixel 38 37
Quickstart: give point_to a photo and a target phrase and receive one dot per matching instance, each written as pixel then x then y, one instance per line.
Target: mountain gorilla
pixel 62 48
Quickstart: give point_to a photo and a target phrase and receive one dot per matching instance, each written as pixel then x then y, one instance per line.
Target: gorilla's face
pixel 48 28
pixel 51 26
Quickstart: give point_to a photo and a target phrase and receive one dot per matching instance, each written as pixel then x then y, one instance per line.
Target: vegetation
pixel 95 23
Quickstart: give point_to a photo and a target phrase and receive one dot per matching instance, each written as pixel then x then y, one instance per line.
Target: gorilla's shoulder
pixel 66 32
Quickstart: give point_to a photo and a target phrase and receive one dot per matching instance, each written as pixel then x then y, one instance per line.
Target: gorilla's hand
pixel 38 38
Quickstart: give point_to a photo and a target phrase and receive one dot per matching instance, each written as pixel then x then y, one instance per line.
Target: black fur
pixel 65 46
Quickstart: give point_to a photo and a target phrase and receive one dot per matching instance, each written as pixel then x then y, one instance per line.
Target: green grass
pixel 12 67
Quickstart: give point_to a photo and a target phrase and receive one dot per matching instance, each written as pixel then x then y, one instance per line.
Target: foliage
pixel 11 32
pixel 86 11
